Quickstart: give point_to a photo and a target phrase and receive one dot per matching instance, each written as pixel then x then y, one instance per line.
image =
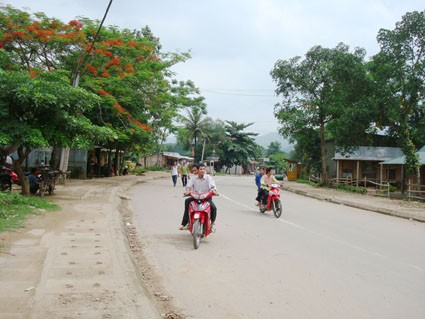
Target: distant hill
pixel 265 139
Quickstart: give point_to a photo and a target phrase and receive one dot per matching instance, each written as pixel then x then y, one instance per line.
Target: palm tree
pixel 195 126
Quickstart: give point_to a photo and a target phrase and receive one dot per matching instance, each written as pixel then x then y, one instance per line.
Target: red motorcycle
pixel 199 216
pixel 7 178
pixel 273 201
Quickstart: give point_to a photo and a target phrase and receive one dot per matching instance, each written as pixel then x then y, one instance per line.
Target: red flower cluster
pixel 102 92
pixel 77 25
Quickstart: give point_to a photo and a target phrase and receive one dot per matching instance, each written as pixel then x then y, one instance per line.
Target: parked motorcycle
pixel 47 181
pixel 273 201
pixel 199 216
pixel 5 182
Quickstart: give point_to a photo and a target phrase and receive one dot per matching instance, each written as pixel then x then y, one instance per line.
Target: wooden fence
pixel 415 192
pixel 379 188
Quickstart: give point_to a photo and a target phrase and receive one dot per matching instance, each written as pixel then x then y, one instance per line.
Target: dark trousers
pixel 34 189
pixel 174 177
pixel 263 194
pixel 258 198
pixel 184 179
pixel 185 219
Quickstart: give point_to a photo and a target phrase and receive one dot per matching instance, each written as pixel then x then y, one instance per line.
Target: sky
pixel 234 44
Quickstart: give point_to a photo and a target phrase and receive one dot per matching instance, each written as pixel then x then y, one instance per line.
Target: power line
pixel 220 89
pixel 238 94
pixel 77 71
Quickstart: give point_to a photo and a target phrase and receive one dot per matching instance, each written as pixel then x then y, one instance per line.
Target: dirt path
pixel 83 261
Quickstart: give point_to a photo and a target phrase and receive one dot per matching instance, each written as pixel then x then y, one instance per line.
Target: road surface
pixel 319 260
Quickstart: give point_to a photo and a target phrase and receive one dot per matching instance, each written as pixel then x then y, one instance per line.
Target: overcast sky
pixel 235 43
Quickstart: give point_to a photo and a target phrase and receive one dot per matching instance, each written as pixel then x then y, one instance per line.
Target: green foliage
pixel 306 181
pixel 46 110
pixel 239 146
pixel 328 91
pixel 274 147
pixel 277 158
pixel 139 170
pixel 194 127
pixel 352 189
pixel 15 207
pixel 307 150
pixel 122 95
pixel 398 71
pixel 156 168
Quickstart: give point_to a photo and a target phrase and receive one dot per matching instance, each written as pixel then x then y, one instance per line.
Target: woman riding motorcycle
pixel 266 180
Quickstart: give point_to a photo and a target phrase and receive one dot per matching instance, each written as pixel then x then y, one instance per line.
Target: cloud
pixel 234 44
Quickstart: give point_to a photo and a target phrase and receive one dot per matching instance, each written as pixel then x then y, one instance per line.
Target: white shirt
pixel 203 185
pixel 9 160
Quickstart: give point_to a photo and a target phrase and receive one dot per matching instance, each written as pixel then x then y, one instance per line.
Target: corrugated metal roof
pixel 402 159
pixel 177 156
pixel 373 153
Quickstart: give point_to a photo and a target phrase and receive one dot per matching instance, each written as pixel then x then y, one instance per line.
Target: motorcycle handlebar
pixel 213 193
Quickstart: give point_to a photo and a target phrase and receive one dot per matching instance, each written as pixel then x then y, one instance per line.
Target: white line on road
pixel 342 242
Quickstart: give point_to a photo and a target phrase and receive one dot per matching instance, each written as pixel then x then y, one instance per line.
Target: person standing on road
pixel 184 173
pixel 174 173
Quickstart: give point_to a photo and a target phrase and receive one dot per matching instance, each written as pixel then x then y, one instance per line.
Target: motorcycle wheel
pixel 277 208
pixel 197 233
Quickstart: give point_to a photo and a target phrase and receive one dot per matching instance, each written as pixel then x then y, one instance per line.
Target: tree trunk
pixel 194 148
pixel 116 162
pixel 203 150
pixel 323 153
pixel 159 153
pixel 54 159
pixel 17 164
pixel 23 180
pixel 109 163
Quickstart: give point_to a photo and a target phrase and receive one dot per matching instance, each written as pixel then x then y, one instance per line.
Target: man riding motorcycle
pixel 200 183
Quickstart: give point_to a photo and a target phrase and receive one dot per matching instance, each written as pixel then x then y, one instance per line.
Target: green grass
pixel 15 207
pixel 352 189
pixel 306 181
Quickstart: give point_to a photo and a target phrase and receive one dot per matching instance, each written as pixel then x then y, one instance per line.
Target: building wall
pixel 390 173
pixel 77 163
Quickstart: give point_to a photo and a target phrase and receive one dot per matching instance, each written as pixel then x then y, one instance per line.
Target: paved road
pixel 319 260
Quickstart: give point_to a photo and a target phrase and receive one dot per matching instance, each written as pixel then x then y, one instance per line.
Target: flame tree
pixel 125 85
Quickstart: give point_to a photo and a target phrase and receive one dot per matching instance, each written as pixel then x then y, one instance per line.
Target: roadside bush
pixel 306 181
pixel 352 189
pixel 156 168
pixel 139 170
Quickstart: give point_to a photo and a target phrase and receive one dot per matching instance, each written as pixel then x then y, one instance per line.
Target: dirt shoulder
pixel 82 261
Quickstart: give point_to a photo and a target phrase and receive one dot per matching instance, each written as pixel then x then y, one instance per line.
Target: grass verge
pixel 15 207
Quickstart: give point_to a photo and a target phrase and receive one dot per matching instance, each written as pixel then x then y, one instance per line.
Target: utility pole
pixel 63 166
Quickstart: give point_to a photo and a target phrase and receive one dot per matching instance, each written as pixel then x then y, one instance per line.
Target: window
pixel 347 173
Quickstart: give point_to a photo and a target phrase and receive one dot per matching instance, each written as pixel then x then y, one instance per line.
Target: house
pixel 365 162
pixel 163 159
pixel 397 164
